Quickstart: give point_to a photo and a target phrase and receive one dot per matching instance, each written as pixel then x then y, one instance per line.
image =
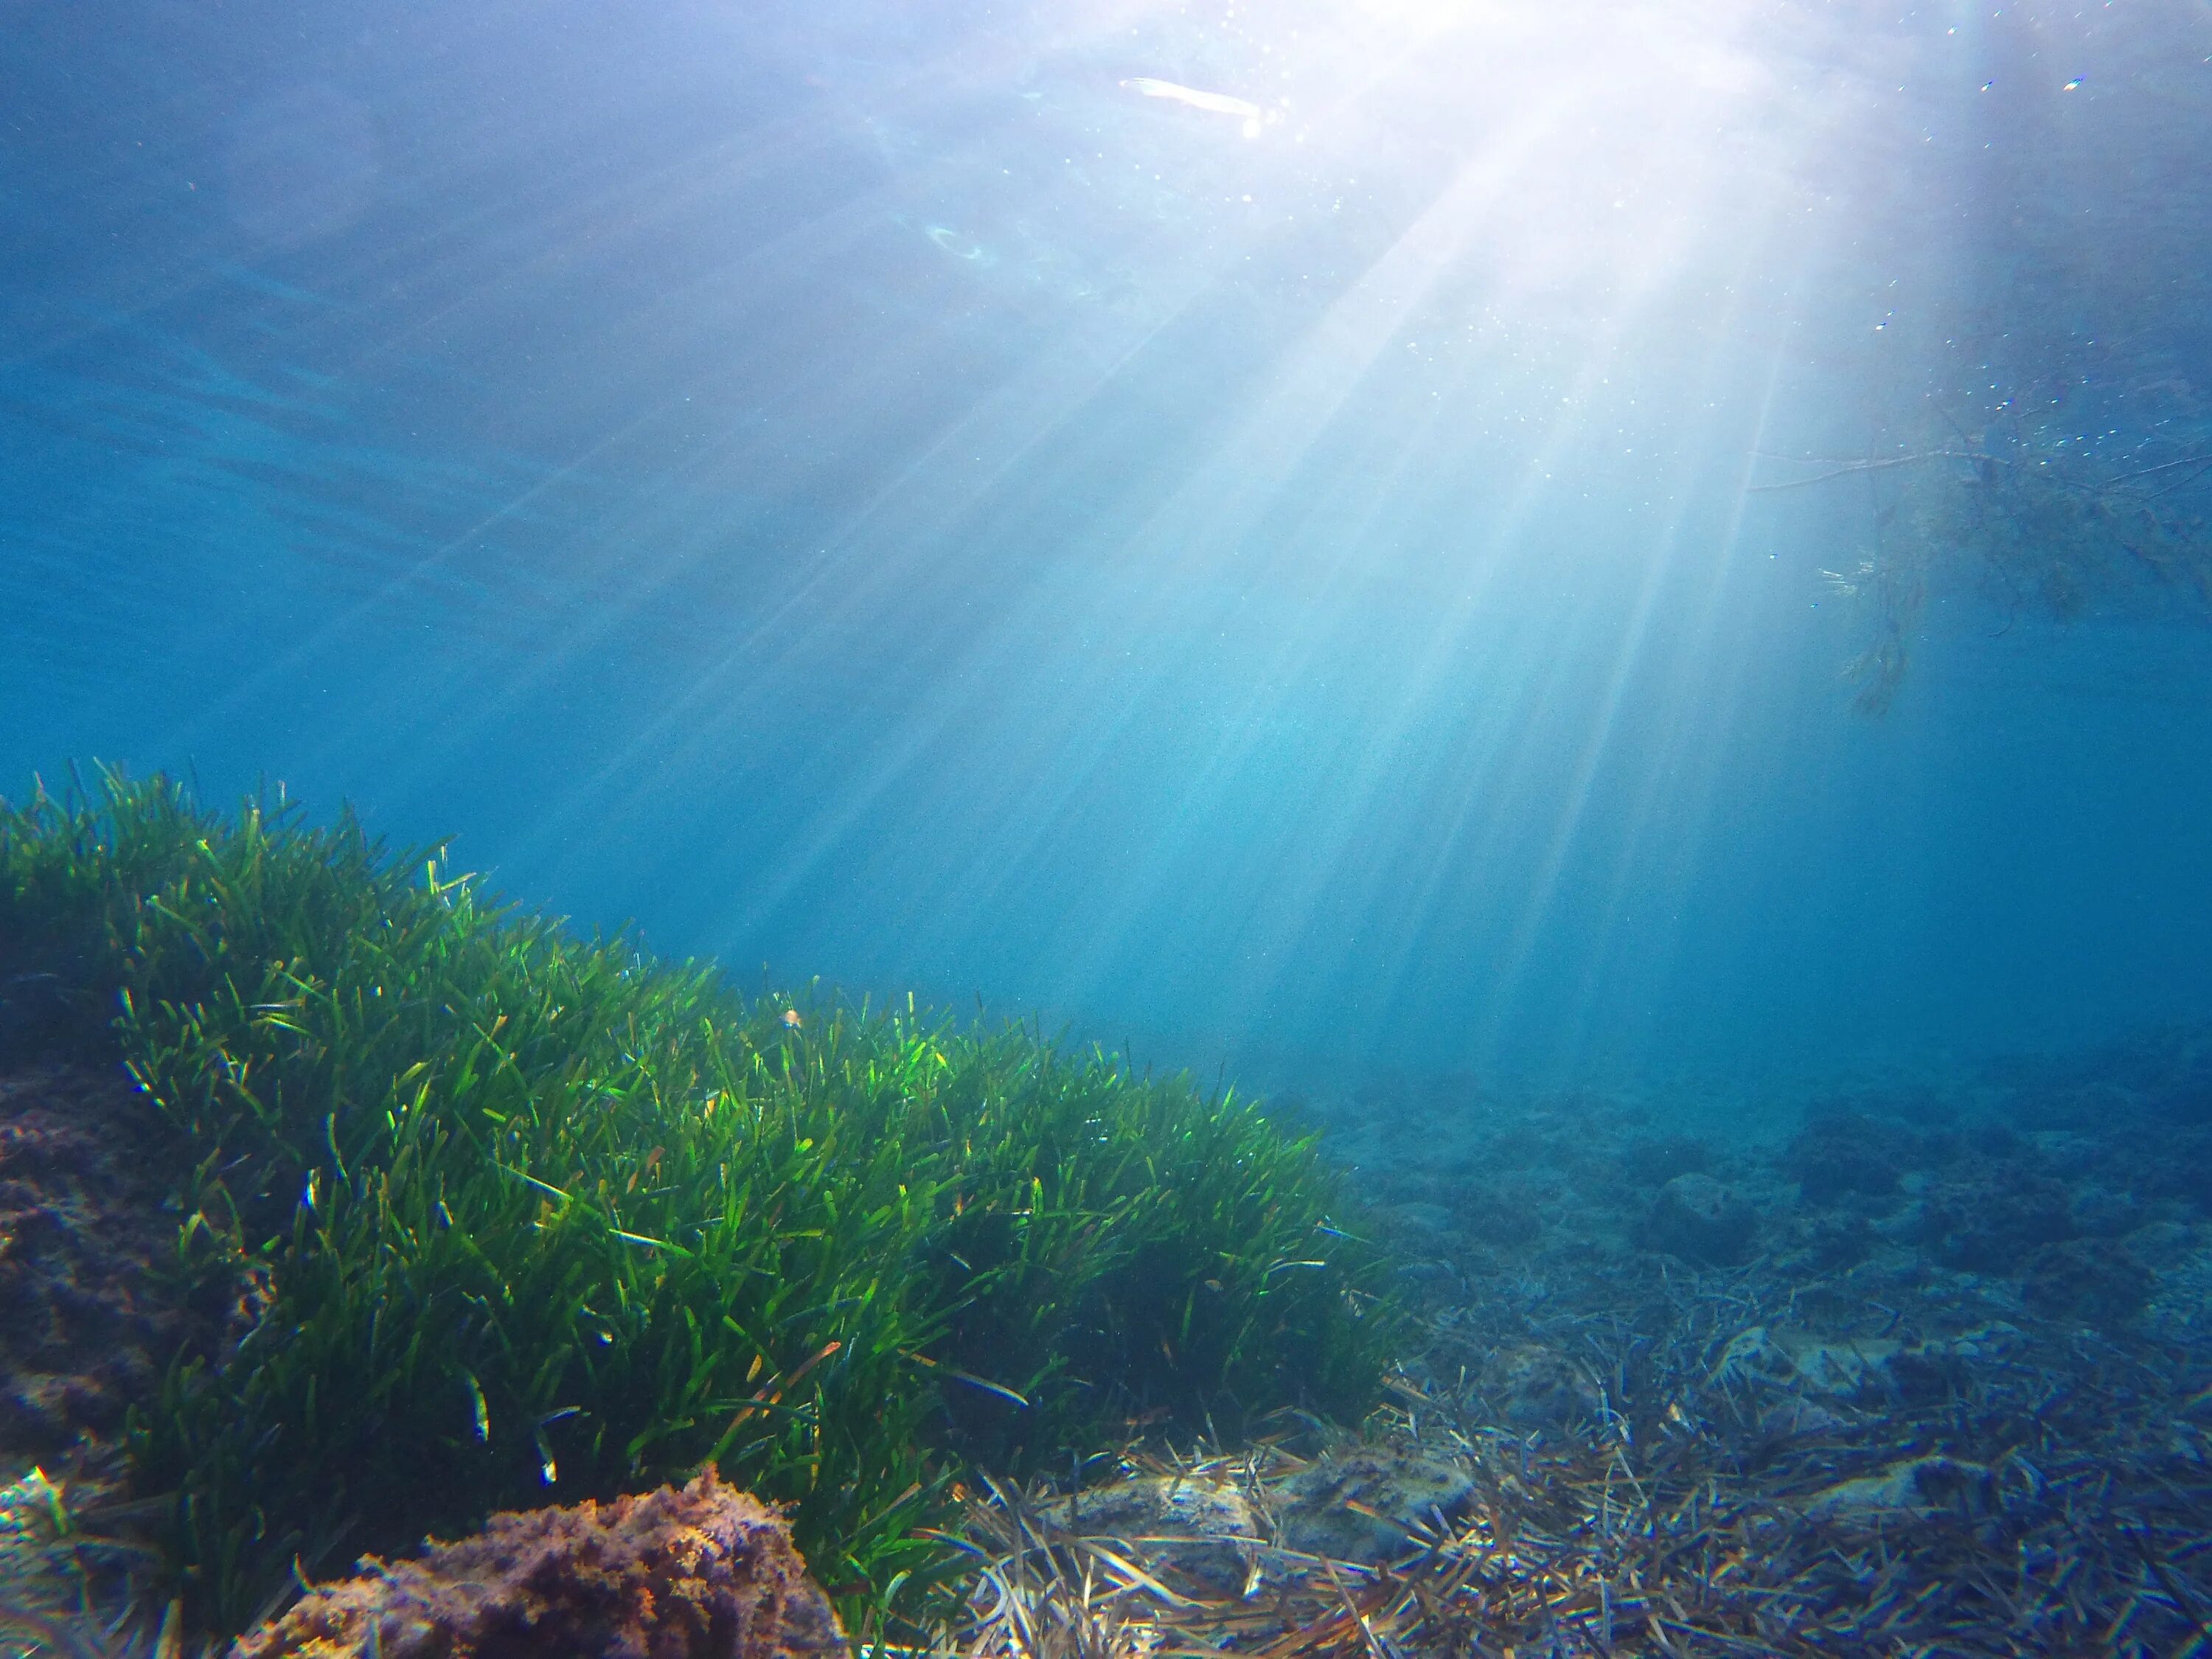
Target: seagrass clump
pixel 533 1217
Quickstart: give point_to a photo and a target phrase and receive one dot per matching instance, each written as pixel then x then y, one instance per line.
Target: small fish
pixel 792 1021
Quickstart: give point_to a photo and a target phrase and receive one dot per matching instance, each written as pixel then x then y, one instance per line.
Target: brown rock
pixel 2093 1280
pixel 1371 1503
pixel 708 1572
pixel 1215 1537
pixel 88 1321
pixel 1533 1386
pixel 1918 1485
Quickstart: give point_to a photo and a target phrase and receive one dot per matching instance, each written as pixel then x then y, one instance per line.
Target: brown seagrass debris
pixel 1924 1434
pixel 2016 1492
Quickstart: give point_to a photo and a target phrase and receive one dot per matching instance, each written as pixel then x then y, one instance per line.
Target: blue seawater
pixel 1236 529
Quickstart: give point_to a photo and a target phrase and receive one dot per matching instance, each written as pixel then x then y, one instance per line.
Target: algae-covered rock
pixel 1701 1220
pixel 1419 1222
pixel 1836 1367
pixel 33 1012
pixel 1215 1518
pixel 88 1320
pixel 1366 1504
pixel 1653 1161
pixel 2098 1281
pixel 1991 1221
pixel 2180 1310
pixel 1844 1155
pixel 1814 1367
pixel 1916 1485
pixel 1533 1386
pixel 33 1581
pixel 2164 1245
pixel 708 1572
pixel 1793 1417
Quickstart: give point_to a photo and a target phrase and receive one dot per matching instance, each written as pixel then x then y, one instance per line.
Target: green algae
pixel 513 1216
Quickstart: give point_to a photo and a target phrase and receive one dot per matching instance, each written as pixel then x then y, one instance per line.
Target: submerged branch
pixel 1885 463
pixel 2033 513
pixel 1852 469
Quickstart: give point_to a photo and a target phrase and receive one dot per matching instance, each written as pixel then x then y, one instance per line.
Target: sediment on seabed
pixel 1906 1383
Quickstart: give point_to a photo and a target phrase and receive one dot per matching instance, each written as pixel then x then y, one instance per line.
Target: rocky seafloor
pixel 1920 1372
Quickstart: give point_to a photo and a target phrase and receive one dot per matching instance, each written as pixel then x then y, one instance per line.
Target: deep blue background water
pixel 862 491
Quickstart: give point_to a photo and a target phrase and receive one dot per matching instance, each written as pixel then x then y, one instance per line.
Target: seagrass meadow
pixel 505 1216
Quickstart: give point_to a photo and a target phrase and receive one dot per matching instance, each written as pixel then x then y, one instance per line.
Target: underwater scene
pixel 1105 829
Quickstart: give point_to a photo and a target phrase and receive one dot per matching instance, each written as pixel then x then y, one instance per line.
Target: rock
pixel 1836 1367
pixel 33 1575
pixel 1654 1162
pixel 1504 1212
pixel 1794 1419
pixel 2094 1280
pixel 1841 1366
pixel 1700 1220
pixel 1843 1154
pixel 90 1319
pixel 1223 1550
pixel 1531 1387
pixel 1990 1222
pixel 1991 1341
pixel 2163 1245
pixel 2178 1169
pixel 1827 1241
pixel 1438 1280
pixel 2181 1311
pixel 1813 1367
pixel 1419 1218
pixel 1917 1486
pixel 708 1572
pixel 33 1012
pixel 2101 1212
pixel 1397 1493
